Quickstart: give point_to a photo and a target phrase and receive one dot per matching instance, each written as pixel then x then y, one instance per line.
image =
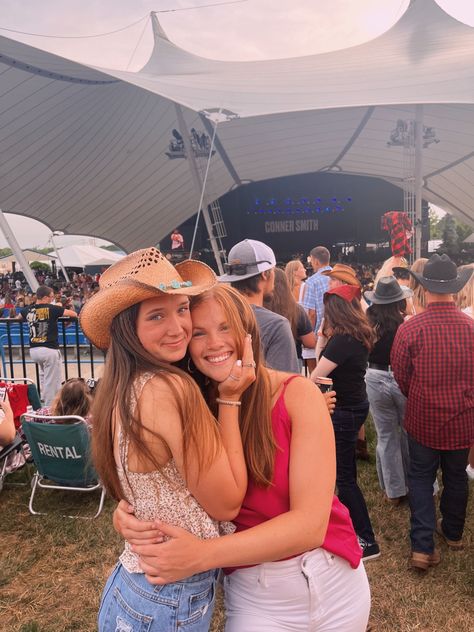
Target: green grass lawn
pixel 52 569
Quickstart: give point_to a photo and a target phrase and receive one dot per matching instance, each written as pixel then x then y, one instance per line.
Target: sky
pixel 238 30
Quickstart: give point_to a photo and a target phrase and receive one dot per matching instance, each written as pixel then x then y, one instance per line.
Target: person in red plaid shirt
pixel 400 228
pixel 432 361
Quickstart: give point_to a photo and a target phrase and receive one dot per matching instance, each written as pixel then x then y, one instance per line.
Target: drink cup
pixel 324 384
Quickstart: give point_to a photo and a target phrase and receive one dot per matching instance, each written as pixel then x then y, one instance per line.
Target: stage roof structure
pixel 98 152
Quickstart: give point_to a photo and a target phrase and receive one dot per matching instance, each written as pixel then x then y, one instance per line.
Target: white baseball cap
pixel 247 259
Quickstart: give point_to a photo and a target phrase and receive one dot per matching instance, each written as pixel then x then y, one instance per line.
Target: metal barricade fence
pixel 79 356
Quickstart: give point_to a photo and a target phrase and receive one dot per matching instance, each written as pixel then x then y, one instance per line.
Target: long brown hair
pixel 256 420
pixel 74 398
pixel 126 360
pixel 386 317
pixel 347 318
pixel 282 301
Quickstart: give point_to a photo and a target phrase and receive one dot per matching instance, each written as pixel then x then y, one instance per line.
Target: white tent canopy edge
pixel 85 149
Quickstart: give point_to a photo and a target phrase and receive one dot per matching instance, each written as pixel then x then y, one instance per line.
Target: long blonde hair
pixel 290 271
pixel 419 296
pixel 465 297
pixel 387 267
pixel 126 360
pixel 256 420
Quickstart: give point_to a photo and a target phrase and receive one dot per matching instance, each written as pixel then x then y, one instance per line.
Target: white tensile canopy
pixel 87 255
pixel 30 256
pixel 87 150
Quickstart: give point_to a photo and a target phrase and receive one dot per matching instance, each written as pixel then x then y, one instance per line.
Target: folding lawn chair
pixel 16 387
pixel 15 447
pixel 61 454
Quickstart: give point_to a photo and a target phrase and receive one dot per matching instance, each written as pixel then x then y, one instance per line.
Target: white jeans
pixel 314 592
pixel 49 364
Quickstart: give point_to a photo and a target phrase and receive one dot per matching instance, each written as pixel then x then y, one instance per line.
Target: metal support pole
pixel 418 178
pixel 17 251
pixel 203 190
pixel 199 185
pixel 66 276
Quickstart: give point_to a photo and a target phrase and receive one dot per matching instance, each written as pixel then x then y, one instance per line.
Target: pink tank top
pixel 261 504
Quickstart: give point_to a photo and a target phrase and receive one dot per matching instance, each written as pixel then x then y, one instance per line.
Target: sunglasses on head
pixel 241 268
pixel 402 275
pixel 90 382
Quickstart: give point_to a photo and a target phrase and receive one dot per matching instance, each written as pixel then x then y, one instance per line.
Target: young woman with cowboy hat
pixel 155 442
pixel 341 275
pixel 289 512
pixel 387 311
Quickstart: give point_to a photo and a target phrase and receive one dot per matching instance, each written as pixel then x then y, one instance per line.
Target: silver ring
pixel 252 364
pixel 232 377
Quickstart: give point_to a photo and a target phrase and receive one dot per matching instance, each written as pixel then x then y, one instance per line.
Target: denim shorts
pixel 131 604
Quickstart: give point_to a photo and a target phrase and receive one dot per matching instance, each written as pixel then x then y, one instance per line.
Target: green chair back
pixel 61 452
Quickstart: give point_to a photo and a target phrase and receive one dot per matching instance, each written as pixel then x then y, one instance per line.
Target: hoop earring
pixel 190 370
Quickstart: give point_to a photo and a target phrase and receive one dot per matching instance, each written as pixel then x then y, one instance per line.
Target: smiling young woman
pixel 155 442
pixel 164 327
pixel 289 513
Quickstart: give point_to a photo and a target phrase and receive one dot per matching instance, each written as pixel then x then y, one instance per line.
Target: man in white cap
pixel 432 361
pixel 250 270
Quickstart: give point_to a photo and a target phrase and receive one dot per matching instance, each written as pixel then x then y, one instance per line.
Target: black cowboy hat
pixel 401 272
pixel 440 276
pixel 388 290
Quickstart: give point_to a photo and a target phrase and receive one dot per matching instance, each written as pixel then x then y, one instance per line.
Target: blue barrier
pixel 14 337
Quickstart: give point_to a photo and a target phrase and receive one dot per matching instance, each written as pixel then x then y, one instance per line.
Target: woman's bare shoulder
pixel 164 382
pixel 303 385
pixel 300 385
pixel 159 404
pixel 162 389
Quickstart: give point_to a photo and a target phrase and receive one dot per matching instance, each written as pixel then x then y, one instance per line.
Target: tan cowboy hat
pixel 344 273
pixel 141 275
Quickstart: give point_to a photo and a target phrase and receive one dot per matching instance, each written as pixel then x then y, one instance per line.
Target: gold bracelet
pixel 227 402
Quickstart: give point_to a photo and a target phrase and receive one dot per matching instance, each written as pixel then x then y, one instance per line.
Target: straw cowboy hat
pixel 440 276
pixel 343 273
pixel 141 275
pixel 388 290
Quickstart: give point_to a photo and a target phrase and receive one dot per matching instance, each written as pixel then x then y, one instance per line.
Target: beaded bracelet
pixel 227 402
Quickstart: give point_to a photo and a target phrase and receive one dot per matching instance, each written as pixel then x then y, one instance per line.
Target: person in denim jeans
pixel 387 404
pixel 154 440
pixel 316 581
pixel 432 362
pixel 131 604
pixel 344 359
